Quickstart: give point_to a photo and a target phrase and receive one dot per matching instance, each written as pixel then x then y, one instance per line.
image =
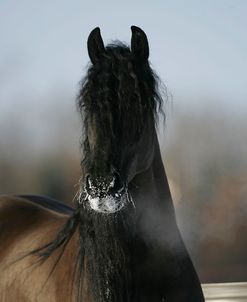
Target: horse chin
pixel 108 204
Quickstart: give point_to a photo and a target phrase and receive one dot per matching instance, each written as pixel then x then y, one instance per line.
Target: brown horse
pixel 121 242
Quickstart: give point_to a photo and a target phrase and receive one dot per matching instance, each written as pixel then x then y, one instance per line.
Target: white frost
pixel 107 204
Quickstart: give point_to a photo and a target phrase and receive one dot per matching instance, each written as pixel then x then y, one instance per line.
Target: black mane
pixel 119 83
pixel 119 94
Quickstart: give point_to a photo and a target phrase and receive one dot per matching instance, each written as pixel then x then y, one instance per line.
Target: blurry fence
pixel 225 292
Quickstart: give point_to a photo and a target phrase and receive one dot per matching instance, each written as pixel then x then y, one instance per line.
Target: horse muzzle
pixel 106 195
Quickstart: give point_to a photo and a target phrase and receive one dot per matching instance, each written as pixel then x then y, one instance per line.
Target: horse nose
pixel 102 186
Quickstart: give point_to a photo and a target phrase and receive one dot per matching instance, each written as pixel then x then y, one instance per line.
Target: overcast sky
pixel 199 48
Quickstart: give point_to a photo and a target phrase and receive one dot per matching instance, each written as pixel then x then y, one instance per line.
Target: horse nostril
pixel 88 184
pixel 118 184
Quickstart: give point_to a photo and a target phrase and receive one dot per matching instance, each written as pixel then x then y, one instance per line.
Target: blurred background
pixel 198 48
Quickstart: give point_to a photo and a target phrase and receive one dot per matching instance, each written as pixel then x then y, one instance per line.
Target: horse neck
pixel 152 188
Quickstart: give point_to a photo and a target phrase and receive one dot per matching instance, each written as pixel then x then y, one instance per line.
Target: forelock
pixel 119 93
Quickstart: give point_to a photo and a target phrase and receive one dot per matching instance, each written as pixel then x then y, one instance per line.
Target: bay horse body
pixel 120 242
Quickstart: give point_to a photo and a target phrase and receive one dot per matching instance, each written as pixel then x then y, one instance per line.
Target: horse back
pixel 27 223
pixel 23 215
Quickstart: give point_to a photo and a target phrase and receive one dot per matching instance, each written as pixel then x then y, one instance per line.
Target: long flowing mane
pixel 116 85
pixel 119 95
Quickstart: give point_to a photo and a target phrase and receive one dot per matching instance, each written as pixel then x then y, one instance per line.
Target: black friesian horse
pixel 121 243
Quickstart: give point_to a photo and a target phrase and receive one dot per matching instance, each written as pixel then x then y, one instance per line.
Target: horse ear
pixel 139 44
pixel 95 45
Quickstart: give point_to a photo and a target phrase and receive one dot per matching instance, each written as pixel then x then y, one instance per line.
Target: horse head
pixel 119 102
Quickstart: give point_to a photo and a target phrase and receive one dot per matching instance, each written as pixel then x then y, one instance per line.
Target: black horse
pixel 121 243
